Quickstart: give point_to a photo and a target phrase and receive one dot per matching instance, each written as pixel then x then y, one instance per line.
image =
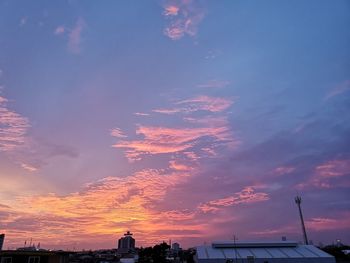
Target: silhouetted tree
pixel 156 254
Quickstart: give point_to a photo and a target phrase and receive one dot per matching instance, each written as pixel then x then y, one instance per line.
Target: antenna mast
pixel 298 202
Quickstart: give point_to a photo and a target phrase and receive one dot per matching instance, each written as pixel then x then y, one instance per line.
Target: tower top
pixel 297 200
pixel 128 233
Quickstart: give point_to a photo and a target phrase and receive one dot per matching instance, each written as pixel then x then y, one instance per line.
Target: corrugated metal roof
pixel 298 251
pixel 230 243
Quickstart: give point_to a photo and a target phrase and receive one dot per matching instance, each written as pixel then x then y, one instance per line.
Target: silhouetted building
pixel 2 238
pixel 18 256
pixel 126 243
pixel 261 252
pixel 175 246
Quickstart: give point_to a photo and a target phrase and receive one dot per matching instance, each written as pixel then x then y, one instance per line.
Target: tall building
pixel 175 246
pixel 2 238
pixel 126 243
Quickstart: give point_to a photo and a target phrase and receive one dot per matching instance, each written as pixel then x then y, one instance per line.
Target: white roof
pixel 230 244
pixel 258 250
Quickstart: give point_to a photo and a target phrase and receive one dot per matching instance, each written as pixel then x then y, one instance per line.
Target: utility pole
pixel 298 202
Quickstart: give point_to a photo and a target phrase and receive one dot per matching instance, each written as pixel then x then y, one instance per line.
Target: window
pixel 6 260
pixel 34 260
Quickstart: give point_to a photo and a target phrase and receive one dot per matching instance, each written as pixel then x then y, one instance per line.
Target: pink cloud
pixel 283 170
pixel 74 37
pixel 277 231
pixel 333 168
pixel 175 165
pixel 325 223
pixel 183 18
pixel 160 140
pixel 29 167
pixel 13 127
pixel 247 195
pixel 116 132
pixel 326 175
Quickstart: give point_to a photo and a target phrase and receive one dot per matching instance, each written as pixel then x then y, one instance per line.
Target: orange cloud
pixel 171 10
pixel 101 210
pixel 247 195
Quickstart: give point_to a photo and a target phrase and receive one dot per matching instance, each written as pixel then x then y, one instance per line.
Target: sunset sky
pixel 184 120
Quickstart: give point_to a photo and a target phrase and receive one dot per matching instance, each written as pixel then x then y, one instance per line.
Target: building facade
pixel 126 243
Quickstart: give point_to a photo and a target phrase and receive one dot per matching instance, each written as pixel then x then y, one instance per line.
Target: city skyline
pixel 185 120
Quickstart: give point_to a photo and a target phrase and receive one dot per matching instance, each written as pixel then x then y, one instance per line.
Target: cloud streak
pixel 199 103
pixel 247 195
pixel 13 127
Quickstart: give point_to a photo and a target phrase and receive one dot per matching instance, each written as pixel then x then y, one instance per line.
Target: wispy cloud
pixel 206 103
pixel 214 83
pixel 23 21
pixel 73 34
pixel 141 114
pixel 29 167
pixel 329 174
pixel 158 140
pixel 339 89
pixel 60 30
pixel 176 165
pixel 116 132
pixel 211 130
pixel 328 223
pixel 74 40
pixel 281 170
pixel 13 127
pixel 183 18
pixel 247 195
pixel 199 103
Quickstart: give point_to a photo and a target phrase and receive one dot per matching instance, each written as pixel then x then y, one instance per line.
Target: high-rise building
pixel 175 246
pixel 2 238
pixel 126 243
